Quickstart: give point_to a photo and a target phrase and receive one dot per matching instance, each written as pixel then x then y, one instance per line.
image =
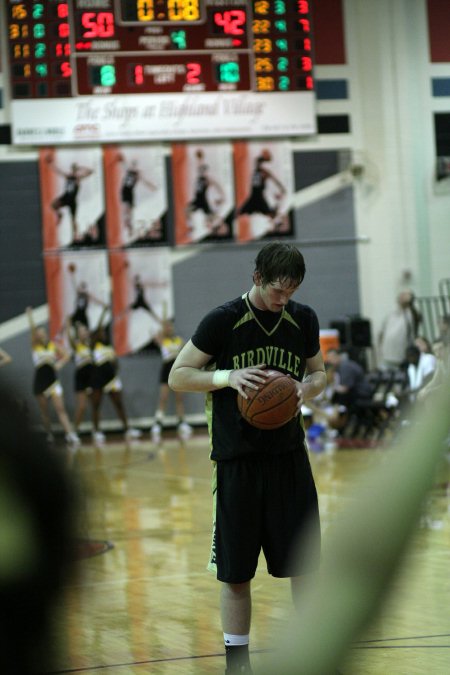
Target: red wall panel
pixel 439 30
pixel 328 23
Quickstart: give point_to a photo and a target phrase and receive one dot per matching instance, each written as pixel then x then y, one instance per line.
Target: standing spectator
pixel 399 330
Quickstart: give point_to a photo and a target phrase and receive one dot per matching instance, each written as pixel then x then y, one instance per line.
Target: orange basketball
pixel 273 404
pixel 71 267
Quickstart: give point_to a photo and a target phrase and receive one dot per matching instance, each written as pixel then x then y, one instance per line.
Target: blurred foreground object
pixel 364 548
pixel 37 525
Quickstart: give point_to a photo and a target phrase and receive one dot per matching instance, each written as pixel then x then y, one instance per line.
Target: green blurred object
pixel 364 548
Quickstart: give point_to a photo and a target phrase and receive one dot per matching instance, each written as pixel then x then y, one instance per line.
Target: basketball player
pixel 170 346
pixel 132 176
pixel 82 299
pixel 200 202
pixel 264 493
pixel 68 199
pixel 257 201
pixel 106 380
pixel 140 301
pixel 48 358
pixel 80 341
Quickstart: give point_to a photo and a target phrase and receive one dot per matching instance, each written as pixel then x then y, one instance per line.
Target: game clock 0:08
pixel 146 11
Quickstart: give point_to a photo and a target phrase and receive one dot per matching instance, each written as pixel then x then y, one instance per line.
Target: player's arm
pixel 102 316
pixel 188 374
pixel 32 325
pixel 93 298
pixel 53 167
pixel 5 358
pixel 62 356
pixel 278 183
pixel 214 184
pixel 315 379
pixel 147 183
pixel 84 172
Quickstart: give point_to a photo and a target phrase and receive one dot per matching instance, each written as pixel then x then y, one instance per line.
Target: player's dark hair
pixel 280 261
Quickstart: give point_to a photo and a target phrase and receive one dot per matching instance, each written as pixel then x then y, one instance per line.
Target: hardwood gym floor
pixel 144 602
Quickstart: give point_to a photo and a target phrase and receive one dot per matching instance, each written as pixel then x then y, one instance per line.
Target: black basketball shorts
pixel 269 503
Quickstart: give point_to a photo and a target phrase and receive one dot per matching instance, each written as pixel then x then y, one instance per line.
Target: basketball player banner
pixel 264 184
pixel 78 289
pixel 72 199
pixel 136 195
pixel 203 190
pixel 142 296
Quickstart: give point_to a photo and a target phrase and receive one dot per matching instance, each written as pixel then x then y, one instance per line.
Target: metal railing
pixel 432 309
pixel 444 288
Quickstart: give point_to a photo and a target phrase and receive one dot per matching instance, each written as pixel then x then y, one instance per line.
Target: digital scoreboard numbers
pixel 173 68
pixel 39 49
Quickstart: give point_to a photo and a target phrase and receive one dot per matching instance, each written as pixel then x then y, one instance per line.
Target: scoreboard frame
pixel 78 72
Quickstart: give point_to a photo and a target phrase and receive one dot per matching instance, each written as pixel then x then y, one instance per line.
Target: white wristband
pixel 221 378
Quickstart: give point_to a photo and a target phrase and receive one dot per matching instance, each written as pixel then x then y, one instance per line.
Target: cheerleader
pixel 48 358
pixel 5 358
pixel 80 341
pixel 105 380
pixel 170 346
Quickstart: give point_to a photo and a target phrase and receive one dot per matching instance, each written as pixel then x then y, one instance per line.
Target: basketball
pixel 71 267
pixel 273 404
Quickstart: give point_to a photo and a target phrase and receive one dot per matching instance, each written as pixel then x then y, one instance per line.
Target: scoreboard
pixel 118 70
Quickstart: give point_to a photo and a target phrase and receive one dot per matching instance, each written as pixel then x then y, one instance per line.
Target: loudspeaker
pixel 354 331
pixel 342 326
pixel 360 332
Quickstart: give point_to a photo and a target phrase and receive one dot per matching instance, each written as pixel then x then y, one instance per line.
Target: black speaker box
pixel 354 331
pixel 342 326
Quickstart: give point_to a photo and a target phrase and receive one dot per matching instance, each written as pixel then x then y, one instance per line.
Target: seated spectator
pixel 441 349
pixel 352 394
pixel 423 344
pixel 352 385
pixel 421 367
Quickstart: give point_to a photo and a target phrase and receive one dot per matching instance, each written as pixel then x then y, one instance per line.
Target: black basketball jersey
pixel 201 185
pixel 236 338
pixel 130 178
pixel 258 181
pixel 71 187
pixel 81 301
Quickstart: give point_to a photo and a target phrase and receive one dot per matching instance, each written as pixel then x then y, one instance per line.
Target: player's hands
pixel 247 377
